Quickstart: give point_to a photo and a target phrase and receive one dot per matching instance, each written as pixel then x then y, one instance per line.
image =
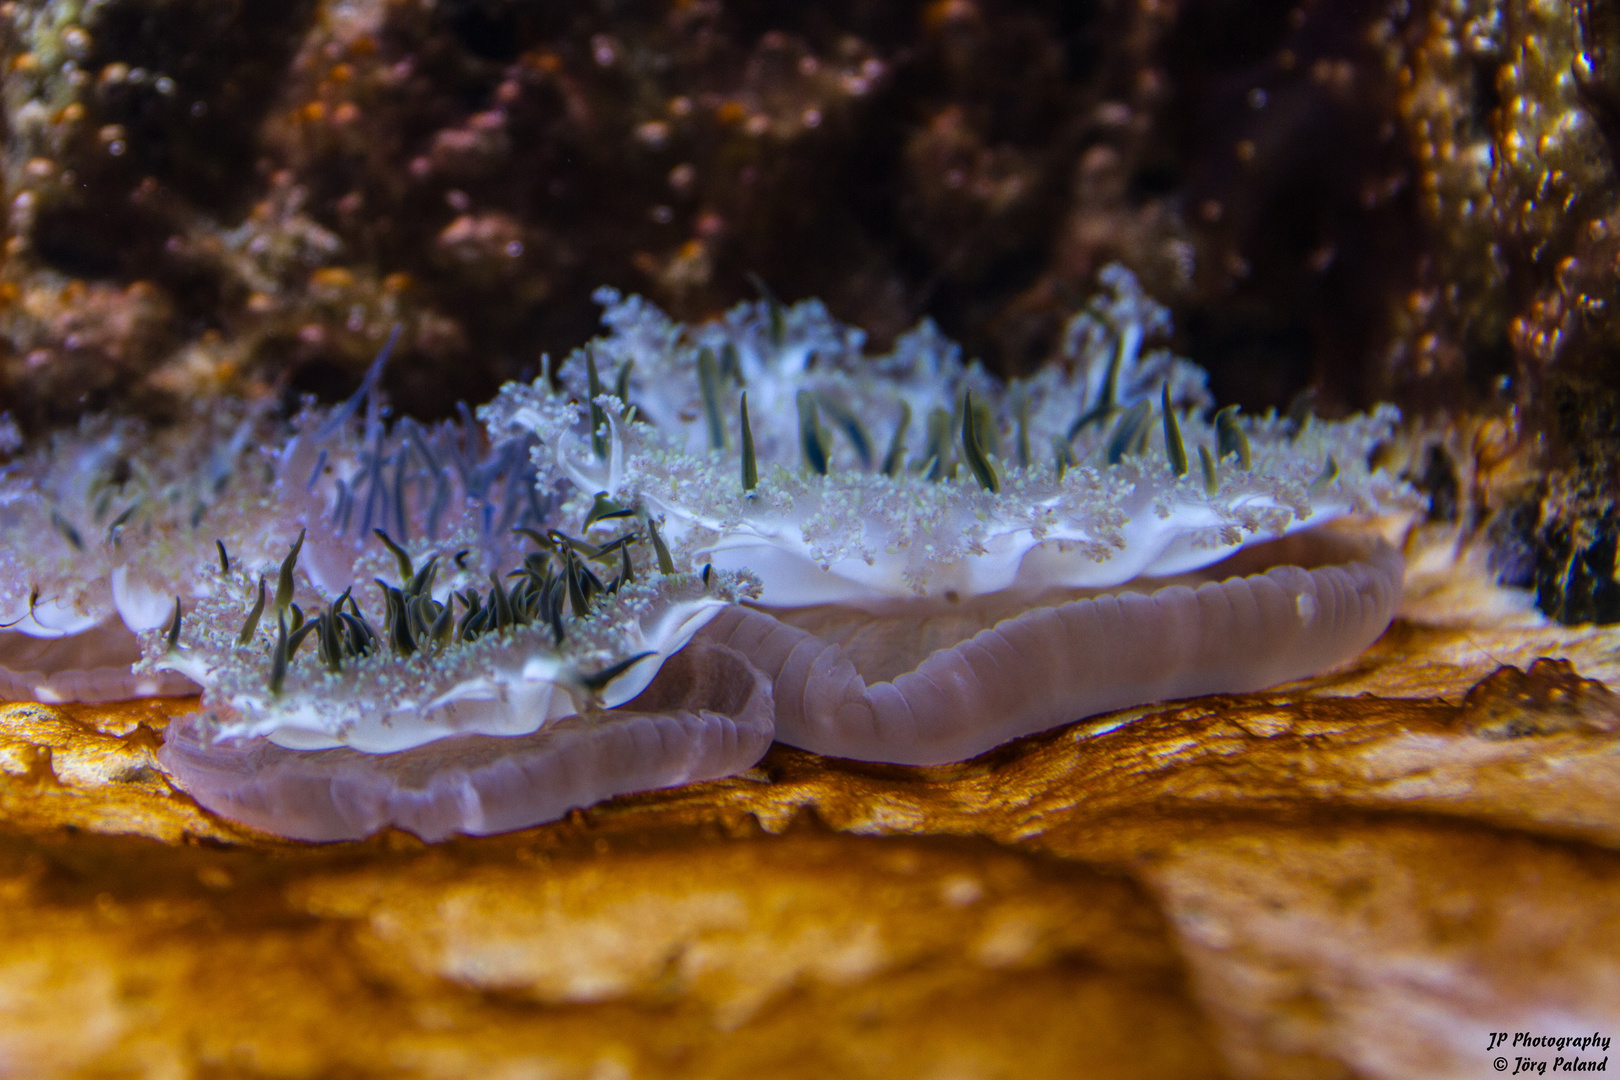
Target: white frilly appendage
pixel 897 688
pixel 947 561
pixel 866 491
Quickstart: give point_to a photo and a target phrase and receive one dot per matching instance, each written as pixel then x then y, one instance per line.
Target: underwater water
pixel 959 538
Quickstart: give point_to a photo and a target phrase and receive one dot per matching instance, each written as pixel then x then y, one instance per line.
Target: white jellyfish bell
pixel 947 562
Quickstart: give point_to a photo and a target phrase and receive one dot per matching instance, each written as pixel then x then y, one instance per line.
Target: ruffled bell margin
pixel 1326 597
pixel 708 714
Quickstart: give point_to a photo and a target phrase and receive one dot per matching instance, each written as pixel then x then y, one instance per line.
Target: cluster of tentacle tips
pixel 915 474
pixel 414 621
pixel 437 651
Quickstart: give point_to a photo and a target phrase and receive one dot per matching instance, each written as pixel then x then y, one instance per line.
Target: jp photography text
pixel 1525 1052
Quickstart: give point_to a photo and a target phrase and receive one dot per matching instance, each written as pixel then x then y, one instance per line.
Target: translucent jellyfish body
pixel 439 707
pixel 948 562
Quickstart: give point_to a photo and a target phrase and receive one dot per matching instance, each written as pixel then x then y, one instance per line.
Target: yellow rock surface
pixel 1362 875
